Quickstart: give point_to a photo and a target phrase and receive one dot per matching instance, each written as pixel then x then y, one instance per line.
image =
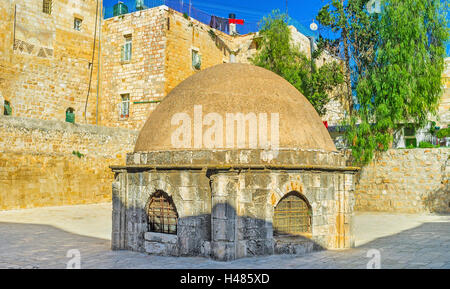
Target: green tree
pixel 357 37
pixel 278 54
pixel 397 78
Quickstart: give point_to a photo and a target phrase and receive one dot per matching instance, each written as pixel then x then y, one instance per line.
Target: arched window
pixel 70 115
pixel 162 214
pixel 292 216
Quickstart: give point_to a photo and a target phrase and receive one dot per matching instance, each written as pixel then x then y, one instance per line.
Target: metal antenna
pixel 287 14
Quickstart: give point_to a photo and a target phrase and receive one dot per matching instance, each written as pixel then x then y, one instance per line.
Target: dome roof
pixel 237 88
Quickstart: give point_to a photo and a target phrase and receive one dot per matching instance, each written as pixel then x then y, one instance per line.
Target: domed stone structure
pixel 238 88
pixel 234 162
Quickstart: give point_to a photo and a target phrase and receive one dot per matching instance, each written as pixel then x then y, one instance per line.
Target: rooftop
pixel 238 88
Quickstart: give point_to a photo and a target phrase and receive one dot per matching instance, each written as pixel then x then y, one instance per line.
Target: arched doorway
pixel 70 115
pixel 292 216
pixel 162 213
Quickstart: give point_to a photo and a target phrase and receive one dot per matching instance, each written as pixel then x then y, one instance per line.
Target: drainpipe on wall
pixel 14 28
pixel 92 64
pixel 99 62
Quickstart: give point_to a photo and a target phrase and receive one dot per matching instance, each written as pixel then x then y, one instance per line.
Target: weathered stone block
pixel 161 249
pixel 223 251
pixel 223 230
pixel 160 237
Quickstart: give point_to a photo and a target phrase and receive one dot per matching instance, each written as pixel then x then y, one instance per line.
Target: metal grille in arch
pixel 292 216
pixel 162 214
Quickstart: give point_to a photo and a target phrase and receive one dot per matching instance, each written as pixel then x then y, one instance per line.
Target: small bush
pixel 426 145
pixel 78 154
pixel 445 132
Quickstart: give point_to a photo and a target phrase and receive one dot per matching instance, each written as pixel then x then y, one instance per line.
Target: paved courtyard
pixel 42 237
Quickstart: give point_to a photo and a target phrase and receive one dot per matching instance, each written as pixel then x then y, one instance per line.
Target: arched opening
pixel 162 213
pixel 292 216
pixel 70 115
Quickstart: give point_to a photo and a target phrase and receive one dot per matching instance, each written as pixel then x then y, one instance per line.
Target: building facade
pixel 48 63
pixel 49 54
pixel 241 199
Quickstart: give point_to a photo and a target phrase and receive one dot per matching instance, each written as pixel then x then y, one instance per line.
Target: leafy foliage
pixel 77 154
pixel 397 62
pixel 445 132
pixel 278 54
pixel 426 145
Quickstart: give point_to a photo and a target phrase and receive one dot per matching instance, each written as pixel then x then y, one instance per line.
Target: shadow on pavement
pixel 44 246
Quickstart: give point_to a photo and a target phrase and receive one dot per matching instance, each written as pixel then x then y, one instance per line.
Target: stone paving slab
pixel 41 238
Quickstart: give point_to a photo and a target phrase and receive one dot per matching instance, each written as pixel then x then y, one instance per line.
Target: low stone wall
pixel 38 167
pixel 27 135
pixel 406 181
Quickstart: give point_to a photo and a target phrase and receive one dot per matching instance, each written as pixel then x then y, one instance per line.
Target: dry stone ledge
pixel 161 244
pixel 161 238
pixel 192 158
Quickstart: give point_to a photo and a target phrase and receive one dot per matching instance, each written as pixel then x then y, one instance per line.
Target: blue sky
pixel 303 11
pixel 253 10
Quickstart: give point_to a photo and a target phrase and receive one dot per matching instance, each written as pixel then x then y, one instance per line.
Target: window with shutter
pixel 196 60
pixel 126 49
pixel 7 108
pixel 77 24
pixel 47 6
pixel 125 106
pixel 70 115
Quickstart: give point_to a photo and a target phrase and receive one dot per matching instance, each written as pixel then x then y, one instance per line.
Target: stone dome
pixel 237 88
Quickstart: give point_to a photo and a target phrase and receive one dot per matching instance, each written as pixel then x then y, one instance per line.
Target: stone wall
pixel 162 44
pixel 185 35
pixel 143 77
pixel 44 61
pixel 406 181
pixel 225 201
pixel 188 190
pixel 38 166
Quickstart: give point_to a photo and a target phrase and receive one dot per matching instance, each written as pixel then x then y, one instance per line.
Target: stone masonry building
pixel 49 57
pixel 235 200
pixel 46 58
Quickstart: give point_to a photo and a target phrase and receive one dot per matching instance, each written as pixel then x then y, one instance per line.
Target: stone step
pixel 294 245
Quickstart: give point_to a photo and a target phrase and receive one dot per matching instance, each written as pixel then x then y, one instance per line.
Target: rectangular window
pixel 126 49
pixel 232 58
pixel 125 106
pixel 47 6
pixel 196 59
pixel 77 24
